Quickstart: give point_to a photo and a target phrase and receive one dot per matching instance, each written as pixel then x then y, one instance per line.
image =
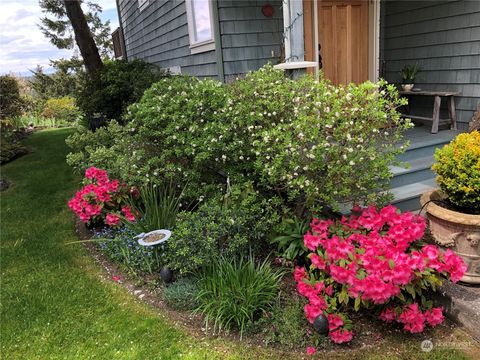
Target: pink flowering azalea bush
pixel 101 200
pixel 374 261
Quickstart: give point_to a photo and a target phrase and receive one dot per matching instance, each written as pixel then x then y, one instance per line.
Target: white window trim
pixel 142 4
pixel 202 46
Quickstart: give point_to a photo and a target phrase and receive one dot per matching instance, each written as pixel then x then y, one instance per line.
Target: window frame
pixel 199 46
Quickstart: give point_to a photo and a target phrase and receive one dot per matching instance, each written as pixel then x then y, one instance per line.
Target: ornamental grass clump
pixel 458 171
pixel 233 294
pixel 374 261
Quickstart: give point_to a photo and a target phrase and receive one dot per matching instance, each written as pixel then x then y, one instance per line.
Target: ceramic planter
pixel 407 87
pixel 457 231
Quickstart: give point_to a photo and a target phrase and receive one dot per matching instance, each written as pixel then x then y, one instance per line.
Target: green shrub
pixel 61 109
pixel 233 294
pixel 289 242
pixel 10 150
pixel 182 294
pixel 315 143
pixel 11 103
pixel 286 323
pixel 39 121
pixel 458 171
pixel 106 148
pixel 119 84
pixel 120 246
pixel 229 227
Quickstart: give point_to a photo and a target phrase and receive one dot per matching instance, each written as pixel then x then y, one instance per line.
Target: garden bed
pixel 372 335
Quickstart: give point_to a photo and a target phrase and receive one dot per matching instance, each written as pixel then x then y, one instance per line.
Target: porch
pixel 359 40
pixel 409 183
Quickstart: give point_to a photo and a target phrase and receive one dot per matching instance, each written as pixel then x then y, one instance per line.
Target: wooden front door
pixel 343 37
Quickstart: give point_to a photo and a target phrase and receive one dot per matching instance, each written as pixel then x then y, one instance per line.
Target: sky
pixel 22 44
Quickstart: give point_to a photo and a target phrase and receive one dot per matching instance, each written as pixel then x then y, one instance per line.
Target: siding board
pixel 248 37
pixel 159 34
pixel 444 38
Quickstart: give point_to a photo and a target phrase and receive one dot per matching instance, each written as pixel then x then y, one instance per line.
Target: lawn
pixel 55 303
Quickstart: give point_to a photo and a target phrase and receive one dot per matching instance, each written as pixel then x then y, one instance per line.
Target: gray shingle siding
pixel 159 34
pixel 444 38
pixel 248 37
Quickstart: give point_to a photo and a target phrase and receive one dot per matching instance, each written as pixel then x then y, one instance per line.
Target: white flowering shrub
pixel 319 143
pixel 309 142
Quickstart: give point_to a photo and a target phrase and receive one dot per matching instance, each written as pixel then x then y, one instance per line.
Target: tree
pixel 11 103
pixel 65 81
pixel 69 25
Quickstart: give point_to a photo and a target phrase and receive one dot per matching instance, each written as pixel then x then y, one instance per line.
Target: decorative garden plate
pixel 153 237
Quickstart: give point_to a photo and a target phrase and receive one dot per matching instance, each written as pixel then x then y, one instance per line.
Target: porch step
pixel 410 182
pixel 425 146
pixel 419 170
pixel 407 197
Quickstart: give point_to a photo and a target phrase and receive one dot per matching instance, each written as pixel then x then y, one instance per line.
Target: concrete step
pixel 407 197
pixel 462 305
pixel 418 170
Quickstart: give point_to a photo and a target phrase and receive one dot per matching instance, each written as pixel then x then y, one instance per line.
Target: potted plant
pixel 408 75
pixel 453 210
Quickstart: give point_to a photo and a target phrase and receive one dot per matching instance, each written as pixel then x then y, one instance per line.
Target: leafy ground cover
pixel 55 304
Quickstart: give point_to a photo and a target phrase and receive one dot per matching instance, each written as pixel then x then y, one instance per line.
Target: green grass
pixel 55 301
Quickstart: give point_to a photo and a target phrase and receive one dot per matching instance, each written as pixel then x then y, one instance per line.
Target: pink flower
pixel 312 312
pixel 334 321
pixel 317 261
pixel 305 289
pixel 128 214
pixel 311 350
pixel 311 241
pixel 116 278
pixel 341 336
pixel 388 315
pixel 299 273
pixel 329 290
pixel 434 316
pixel 412 318
pixel 455 265
pixel 112 219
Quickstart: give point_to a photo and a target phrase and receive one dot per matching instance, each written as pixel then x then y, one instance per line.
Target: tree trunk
pixel 83 36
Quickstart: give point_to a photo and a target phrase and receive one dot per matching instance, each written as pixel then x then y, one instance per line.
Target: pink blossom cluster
pixel 100 197
pixel 372 256
pixel 412 317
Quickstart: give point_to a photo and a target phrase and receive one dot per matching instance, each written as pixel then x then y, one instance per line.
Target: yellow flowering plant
pixel 458 171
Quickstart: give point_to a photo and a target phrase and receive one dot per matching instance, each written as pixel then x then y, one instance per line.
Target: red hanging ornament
pixel 268 10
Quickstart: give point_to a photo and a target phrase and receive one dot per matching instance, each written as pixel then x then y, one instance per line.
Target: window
pixel 200 29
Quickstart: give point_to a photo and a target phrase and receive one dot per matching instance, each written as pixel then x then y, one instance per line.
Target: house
pixel 348 40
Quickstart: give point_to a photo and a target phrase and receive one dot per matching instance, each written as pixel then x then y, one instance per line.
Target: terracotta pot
pixel 457 231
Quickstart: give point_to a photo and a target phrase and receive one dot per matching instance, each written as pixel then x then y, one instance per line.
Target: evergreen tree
pixel 66 24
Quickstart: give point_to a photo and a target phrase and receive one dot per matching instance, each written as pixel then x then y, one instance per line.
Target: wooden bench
pixel 450 95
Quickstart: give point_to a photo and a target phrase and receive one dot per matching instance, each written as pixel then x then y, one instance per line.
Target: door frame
pixel 373 38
